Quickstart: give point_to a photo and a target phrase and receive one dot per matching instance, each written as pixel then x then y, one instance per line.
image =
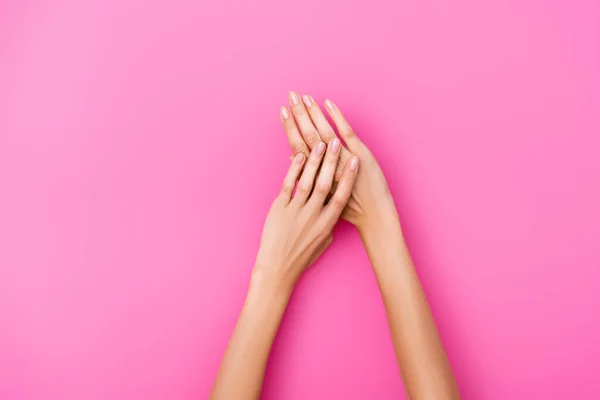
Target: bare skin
pixel 298 230
pixel 423 364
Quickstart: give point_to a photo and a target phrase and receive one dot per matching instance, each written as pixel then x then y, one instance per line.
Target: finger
pixel 289 182
pixel 338 201
pixel 342 125
pixel 307 128
pixel 307 180
pixel 326 132
pixel 293 134
pixel 325 129
pixel 326 174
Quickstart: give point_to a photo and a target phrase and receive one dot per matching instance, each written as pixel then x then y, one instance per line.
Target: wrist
pixel 386 247
pixel 266 281
pixel 383 224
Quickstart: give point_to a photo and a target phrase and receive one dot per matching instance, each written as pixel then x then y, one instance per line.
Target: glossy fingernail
pixel 335 145
pixel 306 100
pixel 299 158
pixel 294 98
pixel 354 163
pixel 320 148
pixel 285 114
pixel 329 104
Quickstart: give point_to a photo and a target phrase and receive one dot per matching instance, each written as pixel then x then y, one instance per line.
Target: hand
pixel 370 203
pixel 298 226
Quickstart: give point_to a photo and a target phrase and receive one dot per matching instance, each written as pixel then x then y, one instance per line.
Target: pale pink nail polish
pixel 307 101
pixel 299 158
pixel 335 145
pixel 294 99
pixel 354 163
pixel 329 104
pixel 285 114
pixel 320 148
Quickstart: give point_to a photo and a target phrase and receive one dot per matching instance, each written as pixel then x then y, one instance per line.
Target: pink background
pixel 140 148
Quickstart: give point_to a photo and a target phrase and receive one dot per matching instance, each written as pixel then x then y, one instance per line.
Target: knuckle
pixel 311 137
pixel 286 188
pixel 327 133
pixel 347 132
pixel 331 159
pixel 299 110
pixel 323 187
pixel 303 188
pixel 299 148
pixel 314 160
pixel 323 235
pixel 338 202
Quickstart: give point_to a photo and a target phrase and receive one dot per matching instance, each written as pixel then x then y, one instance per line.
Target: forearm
pixel 242 370
pixel 423 364
pixel 297 230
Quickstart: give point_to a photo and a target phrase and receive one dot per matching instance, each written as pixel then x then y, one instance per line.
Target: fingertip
pixel 334 145
pixel 284 113
pixel 354 163
pixel 307 101
pixel 319 149
pixel 294 98
pixel 329 105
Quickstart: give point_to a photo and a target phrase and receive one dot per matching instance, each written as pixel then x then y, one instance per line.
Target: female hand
pixel 370 203
pixel 297 230
pixel 298 226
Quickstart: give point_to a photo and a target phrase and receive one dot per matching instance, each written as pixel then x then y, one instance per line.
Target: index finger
pixel 305 125
pixel 340 198
pixel 326 132
pixel 294 137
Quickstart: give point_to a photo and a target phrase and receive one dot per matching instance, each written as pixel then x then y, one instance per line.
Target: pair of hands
pixel 330 185
pixel 327 181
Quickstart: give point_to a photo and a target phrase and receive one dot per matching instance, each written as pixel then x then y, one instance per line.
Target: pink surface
pixel 140 148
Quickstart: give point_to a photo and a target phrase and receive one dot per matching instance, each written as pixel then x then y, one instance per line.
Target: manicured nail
pixel 285 114
pixel 335 145
pixel 329 104
pixel 294 99
pixel 306 100
pixel 354 163
pixel 320 148
pixel 311 98
pixel 299 158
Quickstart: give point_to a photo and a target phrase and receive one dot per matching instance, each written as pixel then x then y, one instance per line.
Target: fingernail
pixel 329 104
pixel 320 148
pixel 299 158
pixel 307 101
pixel 354 163
pixel 285 114
pixel 335 145
pixel 294 99
pixel 311 98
